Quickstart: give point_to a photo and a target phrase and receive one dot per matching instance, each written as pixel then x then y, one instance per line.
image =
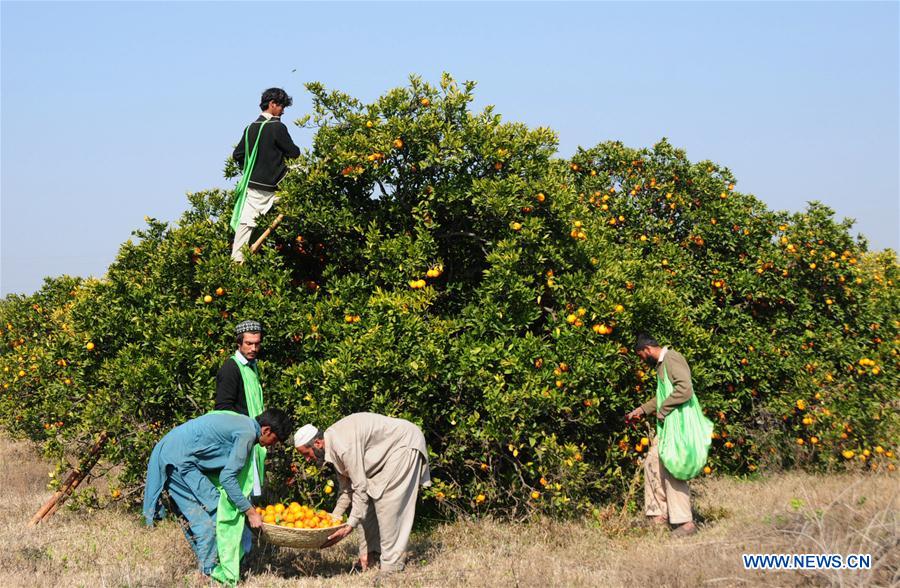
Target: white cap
pixel 305 435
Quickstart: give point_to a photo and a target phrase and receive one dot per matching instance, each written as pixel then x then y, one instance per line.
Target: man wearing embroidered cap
pixel 380 462
pixel 232 380
pixel 238 388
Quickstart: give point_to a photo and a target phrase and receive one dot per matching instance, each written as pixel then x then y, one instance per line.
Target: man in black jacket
pixel 230 392
pixel 272 149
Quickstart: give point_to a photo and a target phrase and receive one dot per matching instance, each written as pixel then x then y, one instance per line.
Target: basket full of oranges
pixel 297 526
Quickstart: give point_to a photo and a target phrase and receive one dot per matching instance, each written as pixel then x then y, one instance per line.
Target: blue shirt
pixel 215 444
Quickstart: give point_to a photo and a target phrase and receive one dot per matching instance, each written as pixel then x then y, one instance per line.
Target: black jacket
pixel 230 387
pixel 275 145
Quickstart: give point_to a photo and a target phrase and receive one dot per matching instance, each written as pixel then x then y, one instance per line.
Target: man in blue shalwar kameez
pixel 215 445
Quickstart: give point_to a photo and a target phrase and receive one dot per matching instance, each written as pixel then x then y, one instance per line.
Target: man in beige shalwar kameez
pixel 380 462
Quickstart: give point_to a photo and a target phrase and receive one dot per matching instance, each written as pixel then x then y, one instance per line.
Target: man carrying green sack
pixel 681 444
pixel 261 153
pixel 203 464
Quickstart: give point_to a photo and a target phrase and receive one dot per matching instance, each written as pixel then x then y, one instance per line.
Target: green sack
pixel 230 531
pixel 230 524
pixel 254 397
pixel 684 436
pixel 241 189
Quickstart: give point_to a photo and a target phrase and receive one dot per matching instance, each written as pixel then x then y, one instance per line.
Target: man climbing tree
pixel 261 153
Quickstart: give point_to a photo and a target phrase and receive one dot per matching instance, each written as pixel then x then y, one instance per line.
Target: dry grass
pixel 792 513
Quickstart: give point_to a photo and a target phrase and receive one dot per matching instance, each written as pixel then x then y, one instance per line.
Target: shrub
pixel 444 266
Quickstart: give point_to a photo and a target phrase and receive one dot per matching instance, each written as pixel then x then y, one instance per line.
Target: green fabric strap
pixel 241 189
pixel 254 397
pixel 664 389
pixel 230 525
pixel 252 389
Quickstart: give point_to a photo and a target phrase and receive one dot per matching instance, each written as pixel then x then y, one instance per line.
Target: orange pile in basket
pixel 295 516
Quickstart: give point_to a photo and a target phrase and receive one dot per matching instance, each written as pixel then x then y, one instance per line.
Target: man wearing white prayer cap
pixel 305 435
pixel 380 462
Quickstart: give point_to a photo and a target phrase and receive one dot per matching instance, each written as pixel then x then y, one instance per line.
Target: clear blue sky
pixel 112 111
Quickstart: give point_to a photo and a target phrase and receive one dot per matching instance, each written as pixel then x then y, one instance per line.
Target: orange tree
pixel 444 266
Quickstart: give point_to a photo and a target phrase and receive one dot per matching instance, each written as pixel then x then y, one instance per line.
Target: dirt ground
pixel 786 513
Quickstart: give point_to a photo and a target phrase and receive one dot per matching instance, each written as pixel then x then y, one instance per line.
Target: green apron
pixel 254 397
pixel 229 520
pixel 230 525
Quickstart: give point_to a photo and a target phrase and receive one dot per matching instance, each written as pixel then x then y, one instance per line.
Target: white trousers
pixel 257 202
pixel 388 523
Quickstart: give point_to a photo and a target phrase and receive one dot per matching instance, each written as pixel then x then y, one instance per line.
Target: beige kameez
pixel 381 462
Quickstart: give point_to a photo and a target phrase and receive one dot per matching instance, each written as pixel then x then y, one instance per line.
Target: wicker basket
pixel 297 538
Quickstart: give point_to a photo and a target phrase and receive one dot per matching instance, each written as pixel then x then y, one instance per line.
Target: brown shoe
pixel 688 528
pixel 659 520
